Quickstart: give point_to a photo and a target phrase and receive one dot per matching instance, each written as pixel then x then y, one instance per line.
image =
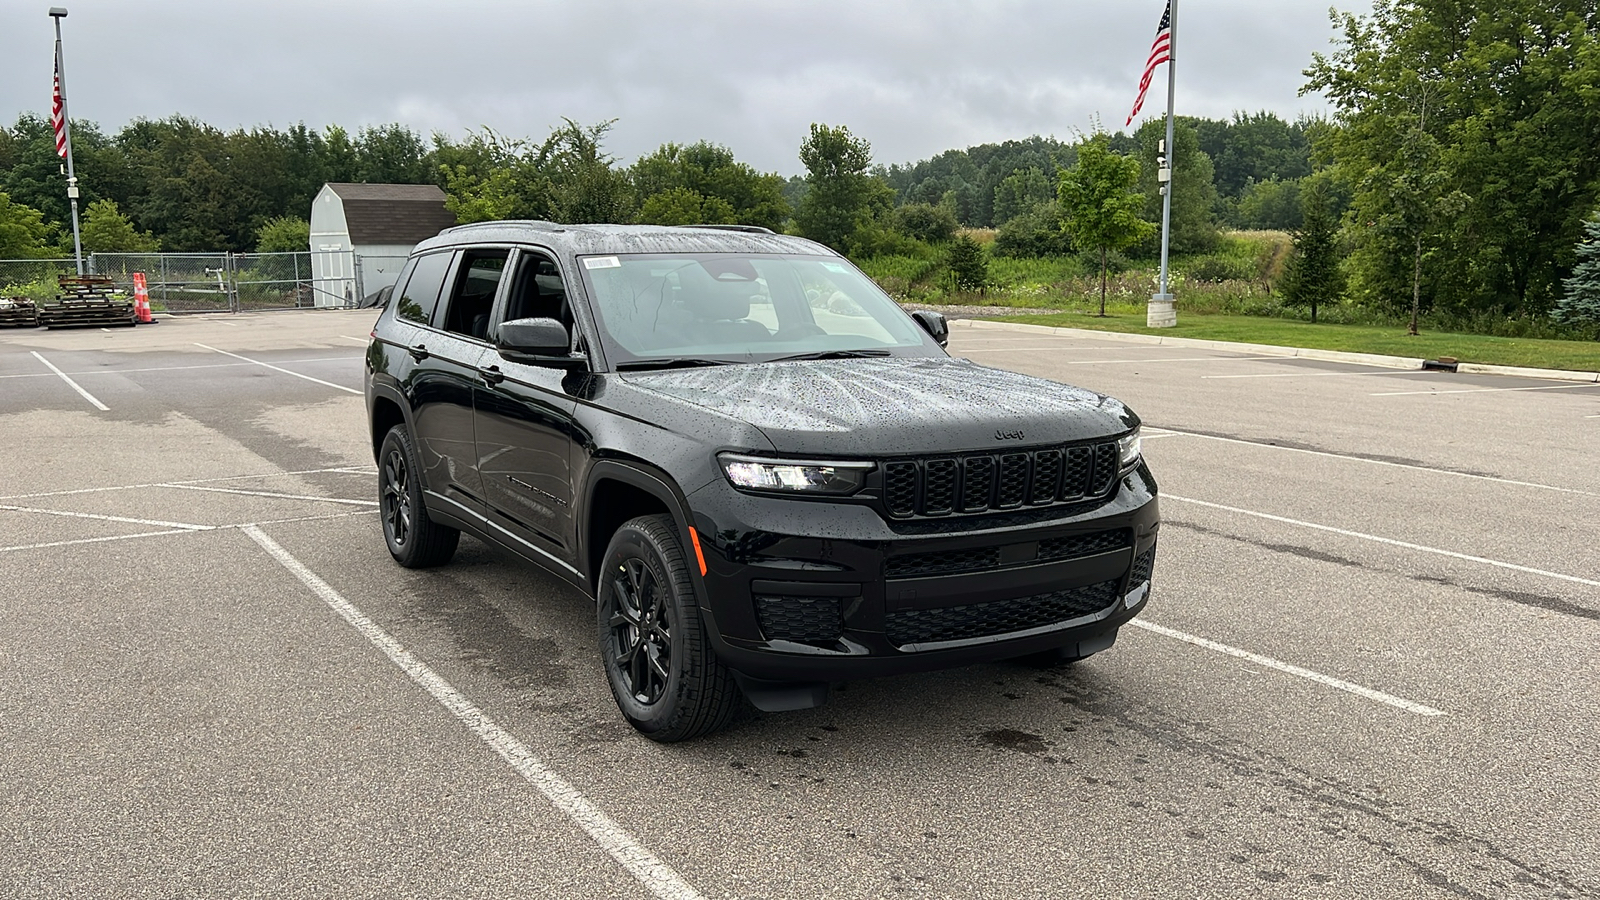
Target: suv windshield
pixel 724 307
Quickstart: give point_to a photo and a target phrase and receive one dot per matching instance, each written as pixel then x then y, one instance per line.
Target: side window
pixel 472 297
pixel 421 293
pixel 537 291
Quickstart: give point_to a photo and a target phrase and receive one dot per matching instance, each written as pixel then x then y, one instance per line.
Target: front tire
pixel 666 679
pixel 415 540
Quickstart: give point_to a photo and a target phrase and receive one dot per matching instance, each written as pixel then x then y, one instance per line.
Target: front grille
pixel 1143 567
pixel 956 623
pixel 983 559
pixel 979 482
pixel 809 619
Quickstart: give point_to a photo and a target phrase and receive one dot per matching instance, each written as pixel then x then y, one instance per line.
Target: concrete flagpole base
pixel 1162 313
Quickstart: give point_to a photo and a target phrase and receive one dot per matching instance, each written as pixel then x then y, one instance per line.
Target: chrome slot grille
pixel 809 619
pixel 979 620
pixel 979 482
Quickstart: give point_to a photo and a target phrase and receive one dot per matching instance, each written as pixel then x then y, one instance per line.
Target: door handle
pixel 492 375
pixel 418 353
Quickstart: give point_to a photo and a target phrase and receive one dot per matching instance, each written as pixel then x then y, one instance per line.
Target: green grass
pixel 1384 340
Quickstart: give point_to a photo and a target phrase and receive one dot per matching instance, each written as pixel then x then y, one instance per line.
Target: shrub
pixel 1217 269
pixel 926 222
pixel 1035 233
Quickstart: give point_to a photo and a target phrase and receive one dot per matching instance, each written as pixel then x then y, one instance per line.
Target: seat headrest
pixel 711 299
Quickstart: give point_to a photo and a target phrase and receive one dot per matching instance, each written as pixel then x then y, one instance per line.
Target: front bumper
pixel 799 590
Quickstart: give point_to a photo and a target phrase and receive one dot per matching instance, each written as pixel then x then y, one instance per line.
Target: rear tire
pixel 415 540
pixel 665 677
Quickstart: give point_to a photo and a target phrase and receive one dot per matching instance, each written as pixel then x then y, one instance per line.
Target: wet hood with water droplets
pixel 892 406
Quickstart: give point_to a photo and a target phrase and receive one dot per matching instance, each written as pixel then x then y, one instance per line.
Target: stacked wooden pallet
pixel 86 300
pixel 18 312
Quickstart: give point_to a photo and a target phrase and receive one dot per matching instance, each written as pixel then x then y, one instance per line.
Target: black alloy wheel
pixel 415 540
pixel 641 631
pixel 666 679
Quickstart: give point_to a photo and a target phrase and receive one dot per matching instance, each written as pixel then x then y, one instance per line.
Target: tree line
pixel 1455 173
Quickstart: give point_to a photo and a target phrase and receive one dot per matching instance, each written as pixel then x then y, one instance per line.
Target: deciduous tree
pixel 1099 207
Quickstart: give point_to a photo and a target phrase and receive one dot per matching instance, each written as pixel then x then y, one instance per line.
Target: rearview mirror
pixel 934 324
pixel 534 337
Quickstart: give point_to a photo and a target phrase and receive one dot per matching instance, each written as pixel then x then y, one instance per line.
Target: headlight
pixel 1128 444
pixel 794 477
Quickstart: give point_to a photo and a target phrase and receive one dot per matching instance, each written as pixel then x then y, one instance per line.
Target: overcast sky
pixel 913 78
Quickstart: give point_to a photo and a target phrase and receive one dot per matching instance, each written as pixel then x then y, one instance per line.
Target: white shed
pixel 362 233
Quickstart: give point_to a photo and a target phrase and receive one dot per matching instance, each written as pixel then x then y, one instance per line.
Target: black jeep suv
pixel 767 474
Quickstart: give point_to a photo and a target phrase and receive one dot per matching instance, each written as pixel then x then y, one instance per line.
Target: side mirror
pixel 934 324
pixel 534 337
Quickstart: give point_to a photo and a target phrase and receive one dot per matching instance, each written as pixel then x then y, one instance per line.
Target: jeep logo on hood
pixel 1003 435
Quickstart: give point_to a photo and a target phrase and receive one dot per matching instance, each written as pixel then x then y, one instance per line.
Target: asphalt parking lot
pixel 1368 669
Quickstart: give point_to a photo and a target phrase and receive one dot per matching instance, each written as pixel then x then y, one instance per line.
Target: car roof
pixel 583 240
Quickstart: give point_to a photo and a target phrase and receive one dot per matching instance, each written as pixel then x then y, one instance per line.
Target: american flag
pixel 1160 52
pixel 58 115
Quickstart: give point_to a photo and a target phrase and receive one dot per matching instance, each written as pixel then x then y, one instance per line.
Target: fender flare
pixel 653 481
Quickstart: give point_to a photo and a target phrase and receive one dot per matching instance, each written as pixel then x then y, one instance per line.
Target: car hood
pixel 892 406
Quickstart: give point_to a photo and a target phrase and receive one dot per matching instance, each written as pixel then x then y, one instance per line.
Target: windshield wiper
pixel 671 362
pixel 832 354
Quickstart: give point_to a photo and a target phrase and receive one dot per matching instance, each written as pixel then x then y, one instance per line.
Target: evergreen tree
pixel 1581 302
pixel 969 267
pixel 1312 277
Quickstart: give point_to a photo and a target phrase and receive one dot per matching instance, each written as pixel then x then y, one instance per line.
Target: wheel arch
pixel 619 490
pixel 388 410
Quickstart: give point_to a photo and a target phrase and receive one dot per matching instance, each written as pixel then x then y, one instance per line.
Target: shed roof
pixel 393 213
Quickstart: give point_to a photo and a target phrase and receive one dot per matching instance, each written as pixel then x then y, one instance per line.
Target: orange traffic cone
pixel 141 301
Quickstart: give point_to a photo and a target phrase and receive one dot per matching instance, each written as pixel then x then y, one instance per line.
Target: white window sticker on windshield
pixel 833 267
pixel 601 262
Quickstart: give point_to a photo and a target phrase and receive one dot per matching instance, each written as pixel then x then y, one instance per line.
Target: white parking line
pixel 1550 387
pixel 1377 462
pixel 659 878
pixel 341 470
pixel 94 540
pixel 189 526
pixel 363 341
pixel 273 494
pixel 72 384
pixel 274 368
pixel 1269 662
pixel 178 368
pixel 1390 541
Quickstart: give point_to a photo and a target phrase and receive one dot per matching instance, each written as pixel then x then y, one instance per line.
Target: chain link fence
pixel 216 282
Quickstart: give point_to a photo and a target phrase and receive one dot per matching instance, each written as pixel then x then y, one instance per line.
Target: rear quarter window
pixel 420 296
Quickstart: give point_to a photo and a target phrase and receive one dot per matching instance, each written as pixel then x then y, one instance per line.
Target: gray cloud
pixel 914 78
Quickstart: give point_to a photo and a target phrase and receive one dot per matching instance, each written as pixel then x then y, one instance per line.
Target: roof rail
pixel 747 229
pixel 539 224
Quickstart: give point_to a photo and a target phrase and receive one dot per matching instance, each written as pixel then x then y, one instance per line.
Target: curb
pixel 1365 359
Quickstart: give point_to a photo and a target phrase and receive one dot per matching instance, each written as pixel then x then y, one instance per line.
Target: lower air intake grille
pixel 956 623
pixel 1076 545
pixel 1142 568
pixel 809 619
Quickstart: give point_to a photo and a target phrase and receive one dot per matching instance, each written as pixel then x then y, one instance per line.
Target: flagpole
pixel 1162 312
pixel 58 13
